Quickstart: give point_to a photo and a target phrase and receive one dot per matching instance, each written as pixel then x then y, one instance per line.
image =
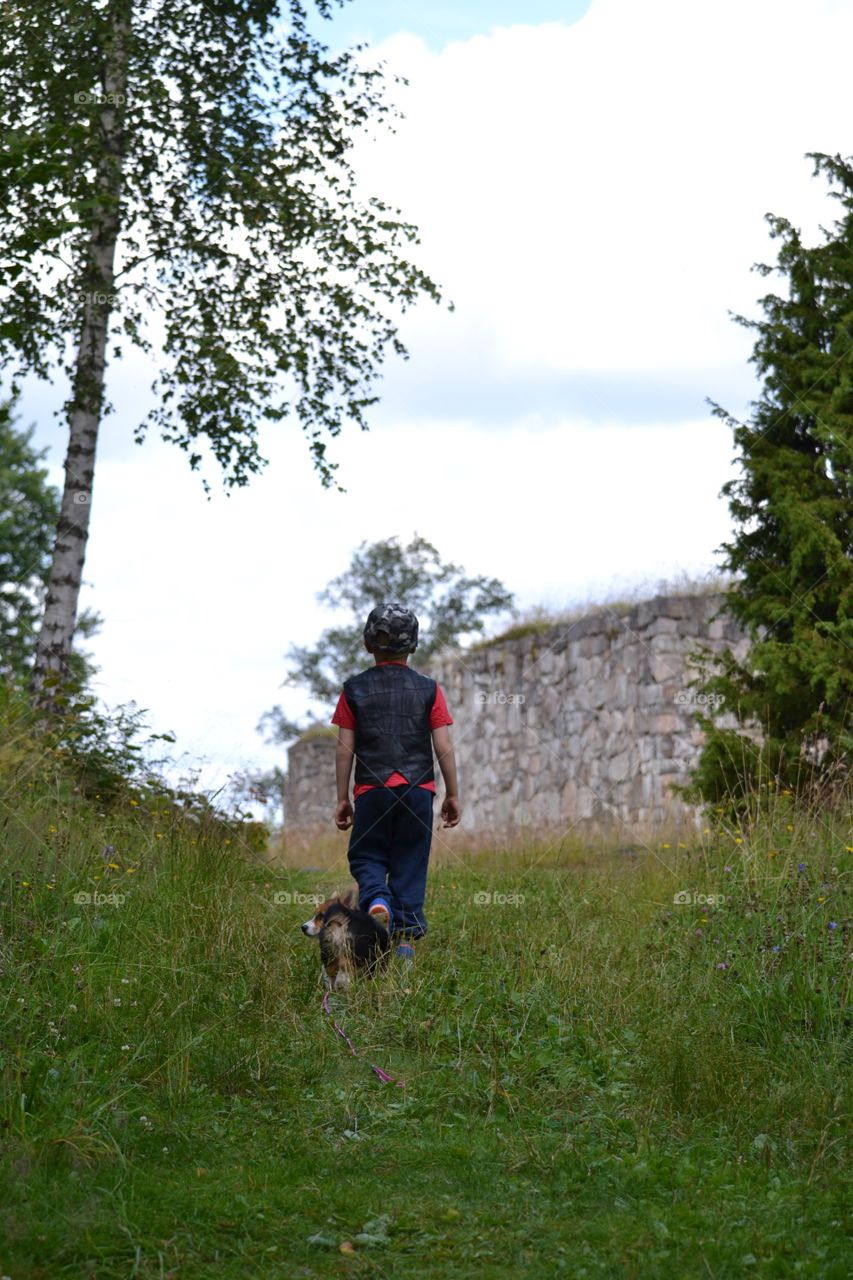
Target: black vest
pixel 391 704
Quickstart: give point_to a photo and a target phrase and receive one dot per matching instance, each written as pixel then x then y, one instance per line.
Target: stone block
pixel 593 645
pixel 668 644
pixel 546 662
pixel 618 767
pixel 665 666
pixel 660 626
pixel 593 624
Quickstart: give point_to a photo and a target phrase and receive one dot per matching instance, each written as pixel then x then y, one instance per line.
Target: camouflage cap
pixel 400 624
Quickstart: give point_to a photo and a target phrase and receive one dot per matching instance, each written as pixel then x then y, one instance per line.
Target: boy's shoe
pixel 380 913
pixel 405 951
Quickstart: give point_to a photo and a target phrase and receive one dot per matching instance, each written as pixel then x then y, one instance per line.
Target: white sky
pixel 591 197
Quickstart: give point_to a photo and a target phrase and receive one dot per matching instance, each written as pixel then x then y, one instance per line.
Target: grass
pixel 598 1080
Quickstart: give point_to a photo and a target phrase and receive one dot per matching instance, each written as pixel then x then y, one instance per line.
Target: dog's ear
pixel 350 898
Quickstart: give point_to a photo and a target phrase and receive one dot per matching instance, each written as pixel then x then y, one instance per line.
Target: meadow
pixel 616 1060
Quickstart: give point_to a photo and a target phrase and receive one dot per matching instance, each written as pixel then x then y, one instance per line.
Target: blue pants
pixel 389 852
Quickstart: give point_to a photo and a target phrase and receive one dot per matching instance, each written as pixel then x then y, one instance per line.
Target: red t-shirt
pixel 437 717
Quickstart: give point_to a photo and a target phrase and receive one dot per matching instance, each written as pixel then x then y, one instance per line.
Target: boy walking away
pixel 389 719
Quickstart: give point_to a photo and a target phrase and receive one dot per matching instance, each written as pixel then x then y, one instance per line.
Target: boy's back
pixel 389 720
pixel 391 705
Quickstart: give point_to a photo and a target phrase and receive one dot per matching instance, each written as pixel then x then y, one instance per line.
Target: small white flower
pixel 116 999
pixel 125 1046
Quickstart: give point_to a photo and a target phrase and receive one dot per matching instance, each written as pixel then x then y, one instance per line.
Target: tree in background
pixel 175 176
pixel 450 607
pixel 792 552
pixel 29 509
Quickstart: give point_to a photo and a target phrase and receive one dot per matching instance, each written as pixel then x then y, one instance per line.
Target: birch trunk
pixel 86 403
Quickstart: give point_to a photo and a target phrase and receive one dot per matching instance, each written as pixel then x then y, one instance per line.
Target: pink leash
pixel 377 1071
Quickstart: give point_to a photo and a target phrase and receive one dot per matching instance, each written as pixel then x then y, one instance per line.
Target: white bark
pixel 98 284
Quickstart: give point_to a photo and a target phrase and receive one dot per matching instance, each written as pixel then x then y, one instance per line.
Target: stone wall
pixel 585 725
pixel 309 787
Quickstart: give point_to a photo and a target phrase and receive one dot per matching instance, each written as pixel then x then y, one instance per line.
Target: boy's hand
pixel 343 815
pixel 451 811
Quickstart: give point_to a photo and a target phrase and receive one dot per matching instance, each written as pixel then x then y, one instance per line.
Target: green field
pixel 598 1081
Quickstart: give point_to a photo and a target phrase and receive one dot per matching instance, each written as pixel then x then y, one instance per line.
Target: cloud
pixel 458 371
pixel 592 196
pixel 439 22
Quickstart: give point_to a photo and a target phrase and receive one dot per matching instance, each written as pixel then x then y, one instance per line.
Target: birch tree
pixel 175 175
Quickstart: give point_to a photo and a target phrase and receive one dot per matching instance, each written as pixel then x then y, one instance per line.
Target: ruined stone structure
pixel 585 726
pixel 309 788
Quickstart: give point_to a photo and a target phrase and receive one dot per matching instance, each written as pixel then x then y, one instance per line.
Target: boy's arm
pixel 343 768
pixel 451 810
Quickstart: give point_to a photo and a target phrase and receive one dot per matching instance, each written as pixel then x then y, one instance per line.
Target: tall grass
pixel 599 1079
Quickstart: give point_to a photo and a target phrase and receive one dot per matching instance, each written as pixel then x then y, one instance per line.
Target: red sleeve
pixel 343 714
pixel 439 714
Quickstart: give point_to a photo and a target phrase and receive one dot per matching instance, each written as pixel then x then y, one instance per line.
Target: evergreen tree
pixel 29 509
pixel 792 505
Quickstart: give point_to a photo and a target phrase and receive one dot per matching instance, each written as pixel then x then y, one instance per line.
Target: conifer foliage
pixel 792 505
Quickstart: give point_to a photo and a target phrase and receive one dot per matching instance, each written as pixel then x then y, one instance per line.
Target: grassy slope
pixel 587 1091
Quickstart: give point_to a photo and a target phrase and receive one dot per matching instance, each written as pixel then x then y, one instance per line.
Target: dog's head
pixel 324 916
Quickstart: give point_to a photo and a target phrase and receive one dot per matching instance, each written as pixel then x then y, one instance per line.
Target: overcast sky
pixel 590 181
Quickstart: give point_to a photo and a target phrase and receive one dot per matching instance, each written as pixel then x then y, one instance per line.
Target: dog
pixel 351 941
